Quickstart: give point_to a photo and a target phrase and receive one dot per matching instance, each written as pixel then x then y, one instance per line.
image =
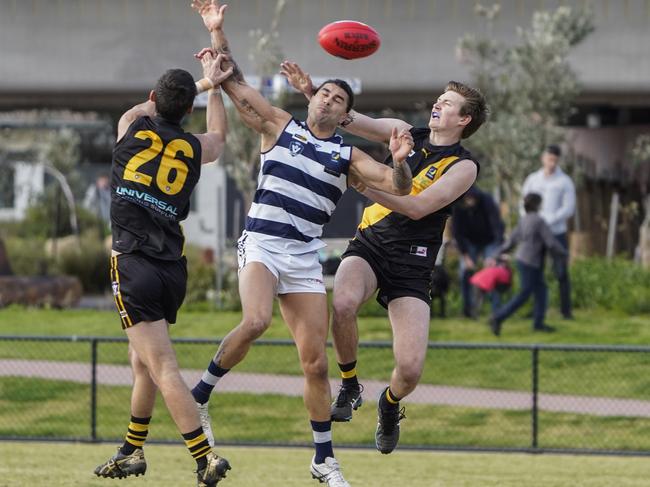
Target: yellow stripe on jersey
pixel 425 178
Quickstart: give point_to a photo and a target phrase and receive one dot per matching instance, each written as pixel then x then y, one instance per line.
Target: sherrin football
pixel 349 39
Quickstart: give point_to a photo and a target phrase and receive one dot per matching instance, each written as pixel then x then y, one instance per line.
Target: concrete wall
pixel 120 46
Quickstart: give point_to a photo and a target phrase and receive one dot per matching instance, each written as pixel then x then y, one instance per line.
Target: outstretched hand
pixel 212 68
pixel 401 144
pixel 211 12
pixel 297 78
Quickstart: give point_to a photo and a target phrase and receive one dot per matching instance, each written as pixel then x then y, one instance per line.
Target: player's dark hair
pixel 475 106
pixel 344 86
pixel 532 202
pixel 175 92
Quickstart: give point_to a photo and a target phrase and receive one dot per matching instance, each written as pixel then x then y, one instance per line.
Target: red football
pixel 349 39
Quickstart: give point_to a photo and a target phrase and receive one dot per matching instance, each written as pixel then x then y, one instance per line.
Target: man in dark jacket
pixel 478 231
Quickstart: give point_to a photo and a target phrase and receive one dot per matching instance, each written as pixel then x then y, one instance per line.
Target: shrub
pixel 201 282
pixel 618 284
pixel 27 256
pixel 90 263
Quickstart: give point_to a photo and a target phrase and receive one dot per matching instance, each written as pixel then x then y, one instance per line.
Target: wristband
pixel 203 84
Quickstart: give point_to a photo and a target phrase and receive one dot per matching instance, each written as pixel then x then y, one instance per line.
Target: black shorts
pixel 147 289
pixel 394 279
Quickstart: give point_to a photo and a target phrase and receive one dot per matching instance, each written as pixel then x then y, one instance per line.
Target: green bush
pixel 619 285
pixel 201 283
pixel 90 263
pixel 27 256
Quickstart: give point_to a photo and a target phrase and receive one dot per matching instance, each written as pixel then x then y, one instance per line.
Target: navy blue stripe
pixel 308 150
pixel 276 229
pixel 296 176
pixel 295 207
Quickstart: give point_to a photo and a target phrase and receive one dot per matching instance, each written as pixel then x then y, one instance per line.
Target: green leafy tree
pixel 641 158
pixel 530 87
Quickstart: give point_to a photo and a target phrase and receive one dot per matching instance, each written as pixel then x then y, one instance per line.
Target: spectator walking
pixel 532 236
pixel 478 231
pixel 558 205
pixel 98 198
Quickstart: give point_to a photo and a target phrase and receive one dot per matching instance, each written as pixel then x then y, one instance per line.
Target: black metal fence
pixel 591 399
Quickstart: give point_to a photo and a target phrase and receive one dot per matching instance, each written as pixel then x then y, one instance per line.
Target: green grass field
pixel 60 409
pixel 71 465
pixel 57 408
pixel 590 326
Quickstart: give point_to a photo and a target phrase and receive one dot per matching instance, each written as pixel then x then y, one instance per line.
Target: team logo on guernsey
pixel 295 148
pixel 431 172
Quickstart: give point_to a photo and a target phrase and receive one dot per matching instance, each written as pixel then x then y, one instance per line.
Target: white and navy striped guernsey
pixel 301 180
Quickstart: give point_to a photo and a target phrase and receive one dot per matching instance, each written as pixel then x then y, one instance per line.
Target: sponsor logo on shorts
pixel 312 280
pixel 116 288
pixel 419 250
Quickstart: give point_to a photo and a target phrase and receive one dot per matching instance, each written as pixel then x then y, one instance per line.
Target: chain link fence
pixel 472 396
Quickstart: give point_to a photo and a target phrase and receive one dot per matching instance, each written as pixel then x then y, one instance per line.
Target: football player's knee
pixel 345 307
pixel 410 372
pixel 315 366
pixel 255 327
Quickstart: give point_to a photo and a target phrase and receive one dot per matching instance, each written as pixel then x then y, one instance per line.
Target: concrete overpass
pixel 106 54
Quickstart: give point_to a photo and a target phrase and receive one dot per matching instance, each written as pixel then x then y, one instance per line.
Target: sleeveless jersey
pixel 398 237
pixel 156 165
pixel 300 181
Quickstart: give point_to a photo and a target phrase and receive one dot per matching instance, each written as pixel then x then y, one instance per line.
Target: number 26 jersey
pixel 156 166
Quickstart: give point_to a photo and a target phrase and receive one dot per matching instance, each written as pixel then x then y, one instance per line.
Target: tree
pixel 641 158
pixel 529 86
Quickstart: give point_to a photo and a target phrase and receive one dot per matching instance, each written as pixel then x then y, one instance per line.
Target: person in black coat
pixel 478 231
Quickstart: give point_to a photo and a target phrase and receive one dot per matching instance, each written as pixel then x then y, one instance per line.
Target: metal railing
pixel 509 397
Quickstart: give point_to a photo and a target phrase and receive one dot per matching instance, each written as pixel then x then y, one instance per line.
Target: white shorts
pixel 296 273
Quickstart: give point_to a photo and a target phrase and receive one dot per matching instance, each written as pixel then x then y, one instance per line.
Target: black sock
pixel 198 445
pixel 349 374
pixel 136 435
pixel 388 399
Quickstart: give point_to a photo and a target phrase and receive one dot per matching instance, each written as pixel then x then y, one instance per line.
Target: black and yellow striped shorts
pixel 147 289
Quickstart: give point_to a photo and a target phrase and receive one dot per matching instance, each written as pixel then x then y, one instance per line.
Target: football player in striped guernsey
pixel 305 168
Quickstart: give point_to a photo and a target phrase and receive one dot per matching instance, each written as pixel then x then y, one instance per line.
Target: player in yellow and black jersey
pixel 402 250
pixel 395 246
pixel 156 165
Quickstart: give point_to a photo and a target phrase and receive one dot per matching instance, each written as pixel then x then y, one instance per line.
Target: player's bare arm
pixel 454 183
pixel 365 171
pixel 375 129
pixel 146 109
pixel 253 108
pixel 213 141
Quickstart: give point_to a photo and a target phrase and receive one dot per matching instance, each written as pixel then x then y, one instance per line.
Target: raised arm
pixel 146 109
pixel 253 108
pixel 375 129
pixel 451 185
pixel 366 172
pixel 212 142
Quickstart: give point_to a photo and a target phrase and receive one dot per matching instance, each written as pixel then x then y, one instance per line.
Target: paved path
pixel 293 386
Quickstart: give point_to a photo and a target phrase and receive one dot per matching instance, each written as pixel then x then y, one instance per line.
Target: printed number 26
pixel 167 163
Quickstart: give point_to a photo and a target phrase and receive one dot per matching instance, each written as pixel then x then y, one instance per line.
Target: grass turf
pixel 71 465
